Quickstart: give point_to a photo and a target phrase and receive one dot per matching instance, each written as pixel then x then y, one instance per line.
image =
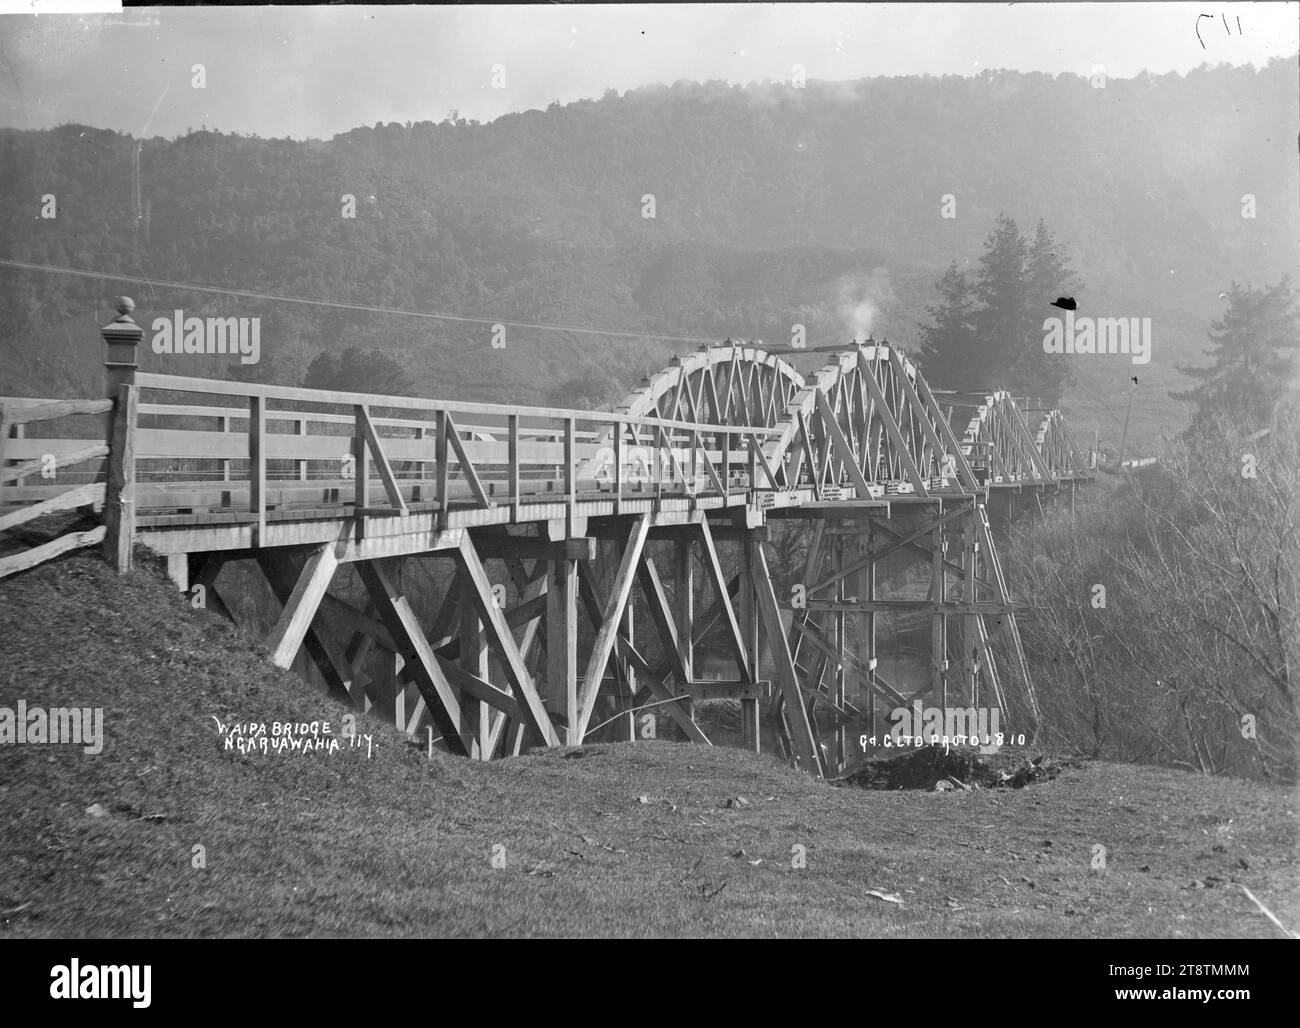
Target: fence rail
pixel 46 458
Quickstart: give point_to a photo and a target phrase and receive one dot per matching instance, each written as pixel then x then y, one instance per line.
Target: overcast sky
pixel 305 72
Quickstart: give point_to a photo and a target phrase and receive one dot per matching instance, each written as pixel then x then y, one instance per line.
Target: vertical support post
pixel 803 742
pixel 512 437
pixel 867 642
pixel 441 470
pixel 657 470
pixel 748 615
pixel 562 641
pixel 302 461
pixel 726 467
pixel 178 570
pixel 257 466
pixel 970 622
pixel 618 467
pixel 225 461
pixel 20 432
pixel 361 468
pixel 840 755
pixel 938 623
pixel 121 337
pixel 684 601
pixel 476 716
pixel 570 476
pixel 626 724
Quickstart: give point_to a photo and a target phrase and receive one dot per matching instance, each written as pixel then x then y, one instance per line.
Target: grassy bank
pixel 607 840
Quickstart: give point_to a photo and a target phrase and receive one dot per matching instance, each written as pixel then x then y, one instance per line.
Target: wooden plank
pixel 613 614
pixel 684 602
pixel 79 497
pixel 257 465
pixel 38 465
pixel 662 616
pixel 562 643
pixel 480 690
pixel 842 447
pixel 530 547
pixel 74 540
pixel 472 654
pixel 466 464
pixel 805 745
pixel 512 458
pixel 714 567
pixel 283 578
pixel 301 607
pixel 441 468
pixel 503 642
pixel 25 415
pixel 439 695
pixel 367 429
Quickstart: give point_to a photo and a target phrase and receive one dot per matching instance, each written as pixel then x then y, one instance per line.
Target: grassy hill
pixel 617 840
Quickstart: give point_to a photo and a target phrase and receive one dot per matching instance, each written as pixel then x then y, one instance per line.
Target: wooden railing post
pixel 570 474
pixel 512 447
pixel 302 464
pixel 122 337
pixel 619 426
pixel 441 473
pixel 225 461
pixel 257 465
pixel 726 466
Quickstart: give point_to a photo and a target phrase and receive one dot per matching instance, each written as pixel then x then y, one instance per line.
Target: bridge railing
pixel 252 448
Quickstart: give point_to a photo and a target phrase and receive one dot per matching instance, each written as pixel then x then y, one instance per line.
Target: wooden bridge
pixel 553 526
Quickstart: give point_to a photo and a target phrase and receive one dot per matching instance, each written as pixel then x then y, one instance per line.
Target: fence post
pixel 121 336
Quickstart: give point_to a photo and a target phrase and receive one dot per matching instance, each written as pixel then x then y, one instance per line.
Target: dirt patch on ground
pixel 936 769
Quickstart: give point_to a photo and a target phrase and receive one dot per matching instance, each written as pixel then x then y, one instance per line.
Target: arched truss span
pixel 866 424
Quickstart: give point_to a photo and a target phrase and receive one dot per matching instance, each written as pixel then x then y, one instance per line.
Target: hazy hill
pixel 773 205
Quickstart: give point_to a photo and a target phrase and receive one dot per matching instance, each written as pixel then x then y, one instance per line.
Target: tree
pixel 590 390
pixel 949 345
pixel 987 330
pixel 1048 275
pixel 358 371
pixel 1253 352
pixel 1188 656
pixel 1002 291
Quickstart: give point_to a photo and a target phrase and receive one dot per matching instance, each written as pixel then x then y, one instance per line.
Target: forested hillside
pixel 773 206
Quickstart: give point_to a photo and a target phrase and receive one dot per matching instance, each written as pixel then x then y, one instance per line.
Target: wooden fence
pixel 48 460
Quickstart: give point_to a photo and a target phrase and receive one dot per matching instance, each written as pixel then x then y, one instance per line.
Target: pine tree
pixel 1253 352
pixel 1001 289
pixel 948 348
pixel 1048 276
